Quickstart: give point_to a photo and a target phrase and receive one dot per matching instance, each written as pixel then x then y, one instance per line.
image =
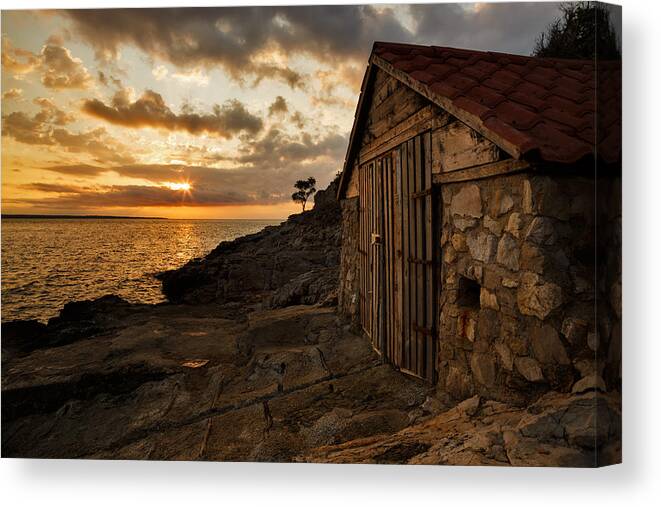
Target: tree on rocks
pixel 304 189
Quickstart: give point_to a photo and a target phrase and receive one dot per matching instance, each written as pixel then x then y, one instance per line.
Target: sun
pixel 184 186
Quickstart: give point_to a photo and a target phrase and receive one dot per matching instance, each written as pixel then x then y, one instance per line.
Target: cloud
pixel 52 188
pixel 506 27
pixel 277 149
pixel 59 69
pixel 150 110
pixel 210 187
pixel 235 38
pixel 241 39
pixel 129 196
pixel 17 60
pixel 25 129
pixel 78 169
pixel 263 174
pixel 12 93
pixel 279 106
pixel 36 129
pixel 47 128
pixel 50 113
pixel 108 80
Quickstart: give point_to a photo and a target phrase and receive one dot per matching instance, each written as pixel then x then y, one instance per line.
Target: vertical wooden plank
pixel 366 250
pixel 391 255
pixel 361 270
pixel 386 256
pixel 430 266
pixel 412 253
pixel 399 353
pixel 380 253
pixel 364 253
pixel 376 258
pixel 365 258
pixel 419 254
pixel 406 221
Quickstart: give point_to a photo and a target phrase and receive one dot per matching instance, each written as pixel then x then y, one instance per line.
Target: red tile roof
pixel 537 108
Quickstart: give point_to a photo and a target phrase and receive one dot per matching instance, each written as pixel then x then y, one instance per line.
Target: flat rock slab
pixel 264 388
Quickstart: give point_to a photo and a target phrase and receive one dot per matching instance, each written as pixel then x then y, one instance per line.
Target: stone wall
pixel 349 261
pixel 608 336
pixel 517 293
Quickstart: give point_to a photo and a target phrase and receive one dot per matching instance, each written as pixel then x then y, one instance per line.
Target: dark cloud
pixel 59 69
pixel 150 110
pixel 77 169
pixel 506 27
pixel 277 149
pixel 25 129
pixel 279 106
pixel 235 37
pixel 129 196
pixel 36 129
pixel 52 188
pixel 47 128
pixel 109 80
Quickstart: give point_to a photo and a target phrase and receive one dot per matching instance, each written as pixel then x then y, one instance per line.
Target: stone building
pixel 481 233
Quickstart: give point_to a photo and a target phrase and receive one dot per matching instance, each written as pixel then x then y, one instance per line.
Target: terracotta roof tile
pixel 474 108
pixel 487 96
pixel 544 106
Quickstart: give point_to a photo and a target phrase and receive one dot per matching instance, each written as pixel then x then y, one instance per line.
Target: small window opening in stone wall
pixel 468 294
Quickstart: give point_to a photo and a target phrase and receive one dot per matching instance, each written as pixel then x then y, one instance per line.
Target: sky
pixel 204 112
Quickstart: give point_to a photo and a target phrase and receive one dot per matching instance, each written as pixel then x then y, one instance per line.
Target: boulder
pixel 266 264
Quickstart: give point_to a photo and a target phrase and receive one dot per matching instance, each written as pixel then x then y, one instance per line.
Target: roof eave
pixel 351 148
pixel 469 119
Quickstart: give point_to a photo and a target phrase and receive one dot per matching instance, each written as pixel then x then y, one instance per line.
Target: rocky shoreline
pixel 250 362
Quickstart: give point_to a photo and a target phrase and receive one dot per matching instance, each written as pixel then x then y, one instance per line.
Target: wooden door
pixel 375 212
pixel 417 258
pixel 397 271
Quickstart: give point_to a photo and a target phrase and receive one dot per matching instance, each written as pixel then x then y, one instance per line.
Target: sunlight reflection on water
pixel 49 262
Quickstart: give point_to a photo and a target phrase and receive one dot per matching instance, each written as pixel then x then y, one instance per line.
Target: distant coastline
pixel 90 217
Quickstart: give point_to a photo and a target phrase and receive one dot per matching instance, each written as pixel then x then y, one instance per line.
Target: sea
pixel 47 262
